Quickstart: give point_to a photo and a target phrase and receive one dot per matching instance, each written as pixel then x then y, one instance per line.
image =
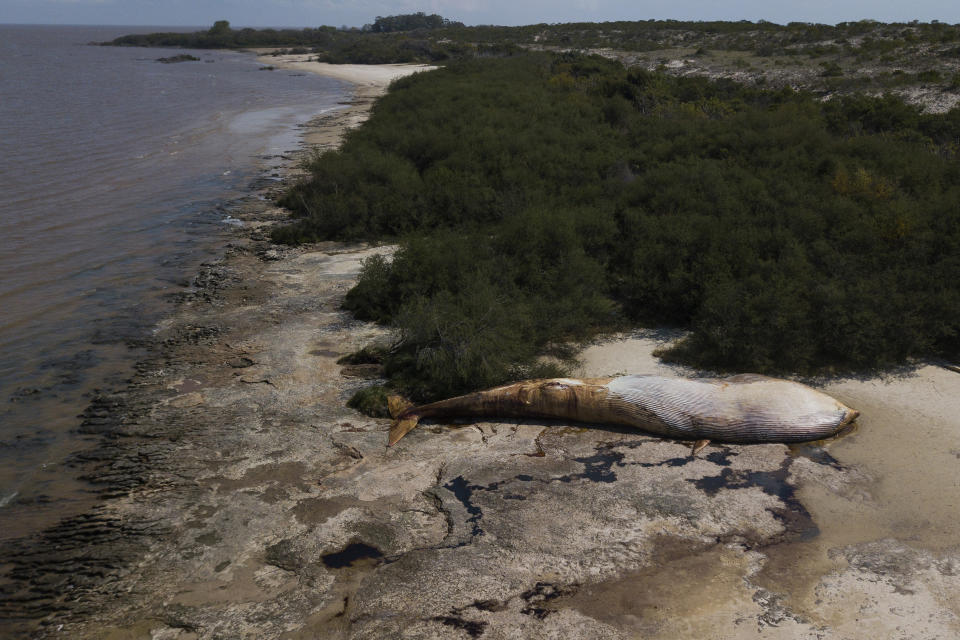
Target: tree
pixel 219 28
pixel 409 22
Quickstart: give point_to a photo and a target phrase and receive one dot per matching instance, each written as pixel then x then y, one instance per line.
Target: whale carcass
pixel 746 408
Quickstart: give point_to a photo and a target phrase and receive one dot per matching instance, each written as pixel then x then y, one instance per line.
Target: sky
pixel 313 13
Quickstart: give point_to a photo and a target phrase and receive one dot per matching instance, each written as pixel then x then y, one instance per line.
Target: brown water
pixel 114 169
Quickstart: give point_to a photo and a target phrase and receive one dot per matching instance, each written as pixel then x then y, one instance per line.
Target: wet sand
pixel 243 499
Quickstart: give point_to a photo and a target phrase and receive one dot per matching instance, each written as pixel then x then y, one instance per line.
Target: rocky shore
pixel 241 498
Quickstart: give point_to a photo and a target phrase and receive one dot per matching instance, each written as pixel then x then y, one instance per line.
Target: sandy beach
pixel 374 78
pixel 369 81
pixel 244 499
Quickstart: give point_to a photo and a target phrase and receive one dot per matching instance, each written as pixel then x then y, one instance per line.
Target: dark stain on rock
pixel 208 539
pixel 797 521
pixel 463 492
pixel 721 458
pixel 669 462
pixel 240 363
pixel 489 605
pixel 474 628
pixel 283 556
pixel 598 468
pixel 285 473
pixel 351 553
pixel 539 597
pixel 312 511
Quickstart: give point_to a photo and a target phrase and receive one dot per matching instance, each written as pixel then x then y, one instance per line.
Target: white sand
pixel 368 76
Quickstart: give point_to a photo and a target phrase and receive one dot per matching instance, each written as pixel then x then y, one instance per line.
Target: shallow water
pixel 114 168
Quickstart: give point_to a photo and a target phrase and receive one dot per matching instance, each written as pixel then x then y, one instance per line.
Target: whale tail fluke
pixel 401 428
pixel 397 405
pixel 402 424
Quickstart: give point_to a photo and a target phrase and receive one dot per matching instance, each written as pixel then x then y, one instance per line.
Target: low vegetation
pixel 540 198
pixel 540 194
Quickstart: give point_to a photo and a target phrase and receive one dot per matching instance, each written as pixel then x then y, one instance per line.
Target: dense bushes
pixel 540 198
pixel 410 22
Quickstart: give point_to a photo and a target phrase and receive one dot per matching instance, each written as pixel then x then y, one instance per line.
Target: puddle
pixel 684 590
pixel 351 553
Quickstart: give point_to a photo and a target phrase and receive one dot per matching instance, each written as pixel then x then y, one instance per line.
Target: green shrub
pixel 371 401
pixel 831 70
pixel 538 199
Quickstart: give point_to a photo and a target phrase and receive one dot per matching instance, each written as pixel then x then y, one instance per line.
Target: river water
pixel 113 169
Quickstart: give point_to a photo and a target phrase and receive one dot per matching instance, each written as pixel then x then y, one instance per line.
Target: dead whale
pixel 746 408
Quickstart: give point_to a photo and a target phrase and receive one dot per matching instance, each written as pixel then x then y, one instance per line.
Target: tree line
pixel 419 37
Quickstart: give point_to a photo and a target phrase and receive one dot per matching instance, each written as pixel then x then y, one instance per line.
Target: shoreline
pixel 119 464
pixel 243 499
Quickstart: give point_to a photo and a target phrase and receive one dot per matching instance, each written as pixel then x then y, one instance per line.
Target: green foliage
pixel 831 69
pixel 540 198
pixel 410 22
pixel 219 28
pixel 371 401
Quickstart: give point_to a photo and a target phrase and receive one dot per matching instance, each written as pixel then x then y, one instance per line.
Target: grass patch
pixel 371 401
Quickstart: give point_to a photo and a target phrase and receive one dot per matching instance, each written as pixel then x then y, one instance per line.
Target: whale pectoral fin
pixel 397 405
pixel 698 446
pixel 401 428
